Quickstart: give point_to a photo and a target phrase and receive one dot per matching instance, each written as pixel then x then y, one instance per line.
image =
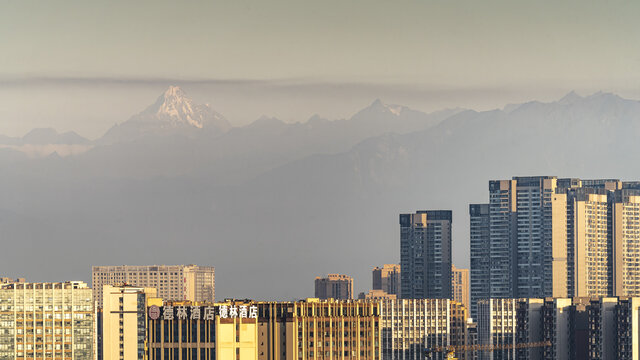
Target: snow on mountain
pixel 173 113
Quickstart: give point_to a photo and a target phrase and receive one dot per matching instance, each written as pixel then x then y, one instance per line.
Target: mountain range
pixel 177 183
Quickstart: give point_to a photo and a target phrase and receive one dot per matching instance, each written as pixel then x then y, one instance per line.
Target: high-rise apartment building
pixel 560 328
pixel 124 318
pixel 46 321
pixel 425 254
pixel 334 286
pixel 173 282
pixel 548 237
pixel 526 222
pixel 460 286
pixel 589 267
pixel 387 279
pixel 625 228
pixel 480 253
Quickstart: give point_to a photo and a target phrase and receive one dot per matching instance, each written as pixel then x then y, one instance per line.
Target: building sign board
pixel 182 312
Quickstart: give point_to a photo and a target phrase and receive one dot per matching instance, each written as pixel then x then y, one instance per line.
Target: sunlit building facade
pixel 334 286
pixel 173 282
pixel 123 333
pixel 47 321
pixel 410 326
pixel 387 279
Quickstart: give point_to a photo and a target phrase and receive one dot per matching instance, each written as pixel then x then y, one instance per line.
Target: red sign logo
pixel 154 312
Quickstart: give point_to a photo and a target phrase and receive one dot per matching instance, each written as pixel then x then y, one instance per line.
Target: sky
pixel 83 66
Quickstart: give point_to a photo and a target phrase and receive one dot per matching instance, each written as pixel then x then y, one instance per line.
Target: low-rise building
pixel 334 286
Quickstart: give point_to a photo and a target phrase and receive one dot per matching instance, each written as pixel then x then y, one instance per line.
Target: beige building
pixel 376 294
pixel 460 286
pixel 334 286
pixel 387 278
pixel 314 329
pixel 173 282
pixel 47 321
pixel 590 240
pixel 124 321
pixel 626 243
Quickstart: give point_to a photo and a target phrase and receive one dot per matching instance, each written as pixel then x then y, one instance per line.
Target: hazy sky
pixel 86 65
pixel 103 61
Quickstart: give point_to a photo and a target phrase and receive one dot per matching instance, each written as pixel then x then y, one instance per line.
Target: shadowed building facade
pixel 425 254
pixel 547 237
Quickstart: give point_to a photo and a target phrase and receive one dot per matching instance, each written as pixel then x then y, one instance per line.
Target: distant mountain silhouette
pixel 314 197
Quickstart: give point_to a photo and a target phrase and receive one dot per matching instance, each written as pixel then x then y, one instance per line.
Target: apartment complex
pixel 625 229
pixel 123 330
pixel 460 286
pixel 410 326
pixel 334 286
pixel 173 282
pixel 547 237
pixel 387 279
pixel 46 321
pixel 560 328
pixel 425 254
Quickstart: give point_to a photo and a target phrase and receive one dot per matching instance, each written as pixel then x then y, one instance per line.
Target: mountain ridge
pixel 319 196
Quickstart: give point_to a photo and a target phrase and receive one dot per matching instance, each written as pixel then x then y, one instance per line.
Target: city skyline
pixel 319 180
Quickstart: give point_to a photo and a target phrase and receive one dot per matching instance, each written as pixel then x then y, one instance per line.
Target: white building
pixel 173 282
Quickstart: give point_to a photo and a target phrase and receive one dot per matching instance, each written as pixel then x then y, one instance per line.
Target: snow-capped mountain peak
pixel 172 111
pixel 175 108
